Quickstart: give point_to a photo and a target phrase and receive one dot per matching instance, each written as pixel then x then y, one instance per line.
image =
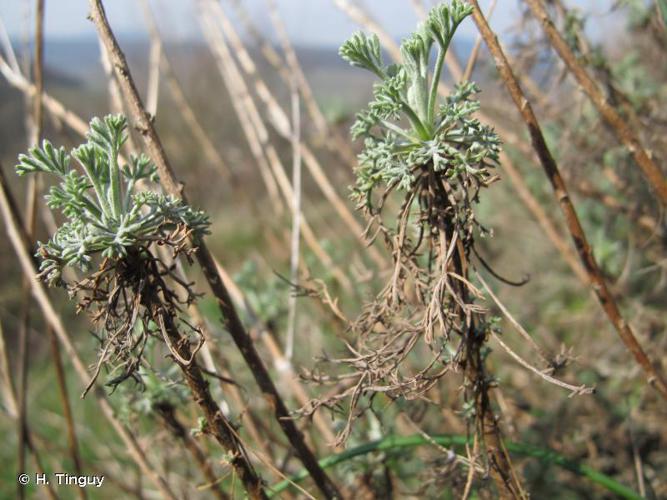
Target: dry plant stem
pixel 8 393
pixel 550 167
pixel 477 384
pixel 55 107
pixel 295 249
pixel 168 416
pixel 526 197
pixel 330 135
pixel 611 202
pixel 230 316
pixel 178 95
pixel 23 249
pixel 34 133
pixel 211 349
pixel 38 109
pixel 153 90
pixel 474 54
pixel 210 353
pixel 67 409
pixel 258 138
pixel 620 126
pixel 216 423
pixel 278 357
pixel 39 465
pixel 487 427
pixel 11 404
pixel 543 219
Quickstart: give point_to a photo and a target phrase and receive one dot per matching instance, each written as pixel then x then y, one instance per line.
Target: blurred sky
pixel 309 22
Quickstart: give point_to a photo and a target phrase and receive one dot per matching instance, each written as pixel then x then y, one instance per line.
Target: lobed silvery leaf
pixel 46 159
pixel 93 161
pixel 364 51
pixel 443 20
pixel 108 134
pixel 388 96
pixel 140 167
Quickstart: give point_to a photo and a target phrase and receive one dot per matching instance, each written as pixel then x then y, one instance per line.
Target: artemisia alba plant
pixel 428 159
pixel 105 212
pixel 433 156
pixel 109 229
pixel 113 232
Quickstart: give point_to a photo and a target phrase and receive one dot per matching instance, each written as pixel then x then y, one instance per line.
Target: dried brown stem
pixel 168 416
pixel 487 428
pixel 621 127
pixel 230 316
pixel 8 392
pixel 217 425
pixel 12 406
pixel 34 134
pixel 595 277
pixel 543 219
pixel 55 107
pixel 258 138
pixel 67 409
pixel 278 357
pixel 178 95
pixel 474 53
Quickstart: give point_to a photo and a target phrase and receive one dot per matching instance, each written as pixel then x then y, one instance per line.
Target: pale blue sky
pixel 315 22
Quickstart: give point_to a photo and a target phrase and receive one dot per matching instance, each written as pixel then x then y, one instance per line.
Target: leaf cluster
pixel 404 126
pixel 105 211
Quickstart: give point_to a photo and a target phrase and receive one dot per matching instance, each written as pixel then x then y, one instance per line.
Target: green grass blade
pixel 398 442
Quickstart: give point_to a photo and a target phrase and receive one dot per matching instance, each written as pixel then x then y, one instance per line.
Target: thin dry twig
pixel 522 331
pixel 296 216
pixel 258 138
pixel 167 414
pixel 178 95
pixel 36 122
pixel 8 392
pixel 329 136
pixel 153 90
pixel 72 440
pixel 474 53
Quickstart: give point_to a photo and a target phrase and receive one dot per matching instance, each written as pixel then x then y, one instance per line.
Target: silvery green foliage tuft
pixel 105 212
pixel 404 127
